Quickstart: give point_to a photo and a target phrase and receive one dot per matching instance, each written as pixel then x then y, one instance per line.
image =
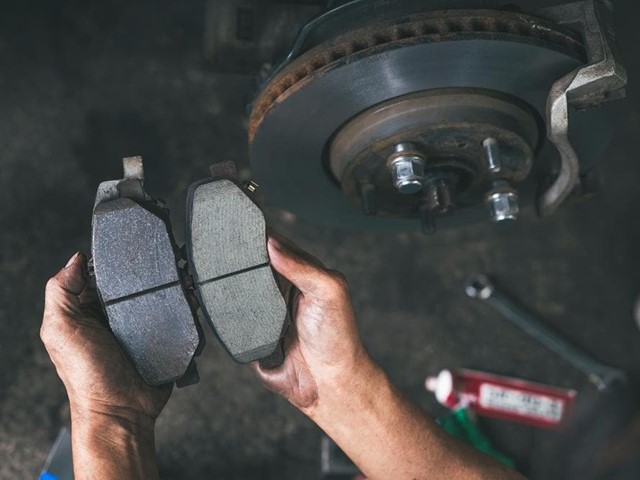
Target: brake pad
pixel 135 263
pixel 148 299
pixel 227 247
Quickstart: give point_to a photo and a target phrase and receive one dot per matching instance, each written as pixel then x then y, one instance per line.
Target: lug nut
pixel 492 153
pixel 502 201
pixel 406 166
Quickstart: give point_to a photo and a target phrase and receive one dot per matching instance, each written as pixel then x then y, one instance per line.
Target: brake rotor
pixel 303 115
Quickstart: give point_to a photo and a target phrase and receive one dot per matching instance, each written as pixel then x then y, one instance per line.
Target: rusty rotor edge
pixel 437 26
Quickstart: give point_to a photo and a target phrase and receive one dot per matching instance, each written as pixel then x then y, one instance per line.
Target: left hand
pixel 99 378
pixel 323 350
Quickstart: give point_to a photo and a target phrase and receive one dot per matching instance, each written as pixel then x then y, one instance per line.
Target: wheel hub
pixel 445 127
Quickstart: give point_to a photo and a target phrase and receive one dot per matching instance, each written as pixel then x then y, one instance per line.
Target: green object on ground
pixel 459 424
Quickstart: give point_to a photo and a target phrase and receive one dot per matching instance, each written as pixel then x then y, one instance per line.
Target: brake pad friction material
pixel 139 284
pixel 227 231
pixel 133 252
pixel 238 292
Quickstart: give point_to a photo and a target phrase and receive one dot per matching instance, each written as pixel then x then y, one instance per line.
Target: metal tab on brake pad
pixel 139 284
pixel 238 293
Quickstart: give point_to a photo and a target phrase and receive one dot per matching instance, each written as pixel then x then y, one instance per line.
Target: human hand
pixel 323 347
pixel 113 411
pixel 99 378
pixel 329 376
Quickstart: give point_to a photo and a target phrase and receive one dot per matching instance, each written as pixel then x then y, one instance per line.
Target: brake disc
pixel 307 109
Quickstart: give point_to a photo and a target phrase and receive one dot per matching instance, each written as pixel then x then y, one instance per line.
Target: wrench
pixel 479 286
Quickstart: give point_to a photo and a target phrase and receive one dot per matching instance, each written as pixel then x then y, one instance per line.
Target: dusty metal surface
pixel 601 80
pixel 90 82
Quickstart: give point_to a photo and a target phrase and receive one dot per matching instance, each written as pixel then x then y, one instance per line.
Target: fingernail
pixel 275 243
pixel 71 260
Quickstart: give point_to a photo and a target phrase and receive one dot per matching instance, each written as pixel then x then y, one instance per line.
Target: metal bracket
pixel 601 80
pixel 225 170
pixel 133 168
pixel 130 186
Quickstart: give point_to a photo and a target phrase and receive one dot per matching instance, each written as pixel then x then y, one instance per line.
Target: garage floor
pixel 85 83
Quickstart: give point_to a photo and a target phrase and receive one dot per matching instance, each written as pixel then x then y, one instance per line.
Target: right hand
pixel 323 346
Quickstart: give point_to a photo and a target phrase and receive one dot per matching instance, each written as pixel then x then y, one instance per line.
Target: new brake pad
pixel 226 243
pixel 139 281
pixel 148 298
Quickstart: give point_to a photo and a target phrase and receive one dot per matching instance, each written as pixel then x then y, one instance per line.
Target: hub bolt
pixel 406 166
pixel 439 198
pixel 502 201
pixel 492 152
pixel 367 194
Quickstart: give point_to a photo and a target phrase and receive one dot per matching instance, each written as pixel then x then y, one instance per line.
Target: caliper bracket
pixel 603 78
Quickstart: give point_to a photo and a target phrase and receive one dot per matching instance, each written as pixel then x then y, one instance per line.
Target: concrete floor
pixel 85 83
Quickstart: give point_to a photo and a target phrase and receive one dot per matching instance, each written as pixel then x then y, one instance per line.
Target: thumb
pixel 73 277
pixel 305 276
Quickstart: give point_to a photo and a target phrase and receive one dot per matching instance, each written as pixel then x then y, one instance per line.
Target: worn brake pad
pixel 226 243
pixel 139 281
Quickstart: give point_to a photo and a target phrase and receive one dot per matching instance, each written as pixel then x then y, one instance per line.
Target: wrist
pixel 112 424
pixel 112 445
pixel 345 389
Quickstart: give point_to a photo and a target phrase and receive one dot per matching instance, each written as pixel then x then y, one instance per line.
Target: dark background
pixel 84 83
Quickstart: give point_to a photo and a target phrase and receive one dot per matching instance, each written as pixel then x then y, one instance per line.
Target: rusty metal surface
pixel 406 54
pixel 448 127
pixel 437 26
pixel 288 149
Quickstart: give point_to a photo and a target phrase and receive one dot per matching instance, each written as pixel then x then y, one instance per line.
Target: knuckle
pixel 45 331
pixel 54 327
pixel 51 285
pixel 337 282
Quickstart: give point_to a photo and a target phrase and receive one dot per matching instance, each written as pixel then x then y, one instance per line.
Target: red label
pixel 514 399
